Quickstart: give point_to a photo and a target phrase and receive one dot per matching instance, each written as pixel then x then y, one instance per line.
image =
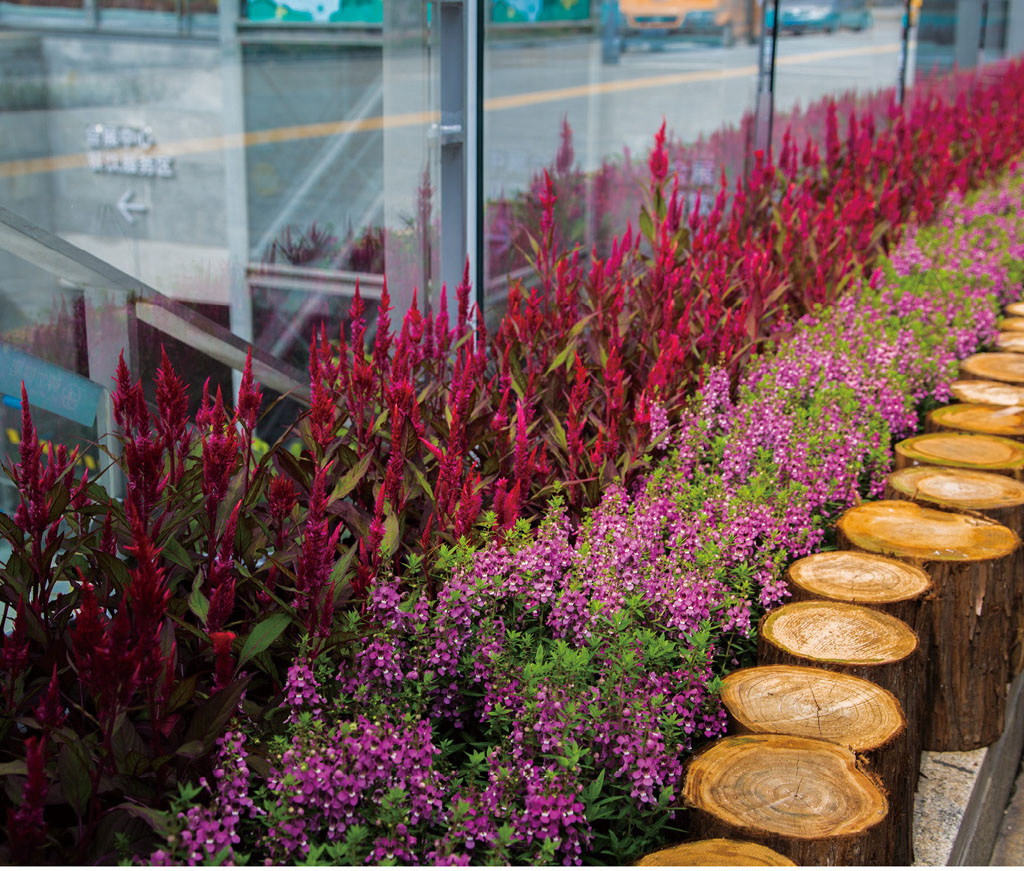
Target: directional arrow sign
pixel 125 206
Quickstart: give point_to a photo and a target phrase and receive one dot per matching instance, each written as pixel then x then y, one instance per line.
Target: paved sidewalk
pixel 1009 848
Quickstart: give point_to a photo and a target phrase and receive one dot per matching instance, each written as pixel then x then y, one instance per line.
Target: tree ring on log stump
pixel 1009 340
pixel 982 452
pixel 995 366
pixel 797 788
pixel 987 392
pixel 835 632
pixel 986 419
pixel 960 489
pixel 859 578
pixel 717 852
pixel 813 703
pixel 906 529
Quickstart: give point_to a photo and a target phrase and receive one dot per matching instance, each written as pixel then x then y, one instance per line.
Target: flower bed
pixel 518 696
pixel 543 708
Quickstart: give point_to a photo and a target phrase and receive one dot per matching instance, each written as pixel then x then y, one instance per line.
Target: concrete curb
pixel 983 815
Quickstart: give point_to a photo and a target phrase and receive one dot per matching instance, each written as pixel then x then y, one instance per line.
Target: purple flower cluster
pixel 536 808
pixel 210 830
pixel 301 692
pixel 604 686
pixel 324 783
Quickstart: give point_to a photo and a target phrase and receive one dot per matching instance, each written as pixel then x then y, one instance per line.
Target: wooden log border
pixel 988 395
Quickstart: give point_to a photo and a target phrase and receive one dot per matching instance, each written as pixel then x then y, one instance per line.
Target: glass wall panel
pixel 965 34
pixel 250 162
pixel 314 180
pixel 583 94
pixel 843 49
pixel 995 16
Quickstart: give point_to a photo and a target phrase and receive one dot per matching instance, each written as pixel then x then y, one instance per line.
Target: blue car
pixel 816 16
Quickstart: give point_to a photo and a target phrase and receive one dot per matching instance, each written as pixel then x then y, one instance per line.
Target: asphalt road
pixel 696 88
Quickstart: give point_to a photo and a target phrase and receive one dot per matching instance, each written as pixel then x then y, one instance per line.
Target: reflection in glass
pixel 584 106
pixel 844 54
pixel 254 173
pixel 351 12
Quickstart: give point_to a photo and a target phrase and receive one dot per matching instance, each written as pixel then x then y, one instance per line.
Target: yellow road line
pixel 33 166
pixel 592 89
pixel 517 101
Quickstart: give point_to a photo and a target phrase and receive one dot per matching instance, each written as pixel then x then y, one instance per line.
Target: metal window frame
pixel 461 37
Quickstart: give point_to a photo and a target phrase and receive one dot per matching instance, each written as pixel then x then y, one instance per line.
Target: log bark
pixel 987 392
pixel 837 707
pixel 1009 340
pixel 806 799
pixel 997 420
pixel 970 560
pixel 996 497
pixel 718 852
pixel 955 450
pixel 994 366
pixel 1013 324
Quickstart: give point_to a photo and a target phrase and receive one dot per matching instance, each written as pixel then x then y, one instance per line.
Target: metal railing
pixel 115 303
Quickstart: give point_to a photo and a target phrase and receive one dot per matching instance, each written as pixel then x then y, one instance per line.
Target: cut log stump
pixel 1013 324
pixel 843 709
pixel 720 852
pixel 846 638
pixel 806 799
pixel 969 559
pixel 994 366
pixel 860 578
pixel 995 496
pixel 1014 308
pixel 853 640
pixel 998 497
pixel 873 581
pixel 997 420
pixel 987 392
pixel 959 451
pixel 1011 341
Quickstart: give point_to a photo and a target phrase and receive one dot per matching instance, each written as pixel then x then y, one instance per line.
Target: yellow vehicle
pixel 722 20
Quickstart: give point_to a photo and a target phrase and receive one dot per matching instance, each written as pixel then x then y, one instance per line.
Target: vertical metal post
pixel 477 213
pixel 454 53
pixel 236 201
pixel 766 82
pixel 901 87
